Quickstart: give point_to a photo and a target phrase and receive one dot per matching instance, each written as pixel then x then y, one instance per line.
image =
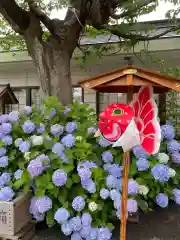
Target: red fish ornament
pixel 135 124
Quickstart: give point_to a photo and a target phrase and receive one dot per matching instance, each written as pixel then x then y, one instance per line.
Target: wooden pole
pixel 126 163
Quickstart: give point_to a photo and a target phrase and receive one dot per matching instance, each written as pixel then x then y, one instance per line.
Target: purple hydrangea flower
pixel 175 157
pixel 35 168
pixel 167 132
pixel 104 193
pixel 6 128
pixel 41 128
pixel 4 118
pixel 173 146
pixel 2 152
pixel 57 130
pixel 61 215
pixel 27 110
pixel 85 231
pixel 58 148
pixel 71 127
pixel 103 142
pixel 83 172
pixel 160 172
pixel 115 170
pixel 76 236
pixel 104 234
pixel 132 206
pixel 28 127
pixel 86 219
pixel 59 178
pixel 92 130
pixel 5 179
pixel 107 157
pixel 142 164
pixel 18 141
pixel 39 217
pixel 66 110
pixel 114 194
pixel 89 185
pixel 111 181
pixel 93 234
pixel 7 140
pixel 6 194
pixel 162 200
pixel 18 174
pixel 44 160
pixel 133 187
pixel 64 157
pixel 33 207
pixel 176 195
pixel 78 203
pixel 24 146
pixel 139 152
pixel 76 223
pixel 44 204
pixel 88 164
pixel 66 228
pixel 13 116
pixel 68 141
pixel 52 114
pixel 4 161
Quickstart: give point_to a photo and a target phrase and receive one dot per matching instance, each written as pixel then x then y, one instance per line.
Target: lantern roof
pixel 119 81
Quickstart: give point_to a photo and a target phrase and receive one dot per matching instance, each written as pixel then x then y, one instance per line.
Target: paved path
pixel 159 225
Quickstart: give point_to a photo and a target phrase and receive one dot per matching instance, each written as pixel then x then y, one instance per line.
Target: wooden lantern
pixel 129 79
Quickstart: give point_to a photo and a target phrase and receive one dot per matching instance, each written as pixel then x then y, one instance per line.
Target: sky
pixel 156 15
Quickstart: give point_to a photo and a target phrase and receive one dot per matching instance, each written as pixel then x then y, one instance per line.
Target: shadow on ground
pixel 159 225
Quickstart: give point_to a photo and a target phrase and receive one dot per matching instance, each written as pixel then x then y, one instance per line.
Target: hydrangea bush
pixel 76 179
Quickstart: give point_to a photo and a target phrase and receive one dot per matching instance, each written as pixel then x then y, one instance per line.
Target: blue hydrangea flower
pixel 18 141
pixel 6 194
pixel 93 234
pixel 162 200
pixel 87 164
pixel 18 174
pixel 115 170
pixel 111 181
pixel 61 215
pixel 59 178
pixel 57 130
pixel 24 146
pixel 64 157
pixel 104 193
pixel 68 141
pixel 83 172
pixel 27 110
pixel 139 152
pixel 176 195
pixel 76 223
pixel 13 116
pixel 104 234
pixel 33 207
pixel 76 236
pixel 103 142
pixel 114 194
pixel 7 140
pixel 66 228
pixel 133 187
pixel 41 128
pixel 71 127
pixel 132 206
pixel 107 157
pixel 58 148
pixel 86 219
pixel 175 157
pixel 173 146
pixel 89 185
pixel 85 231
pixel 6 128
pixel 167 132
pixel 35 168
pixel 5 179
pixel 28 127
pixel 39 217
pixel 44 160
pixel 52 114
pixel 4 118
pixel 67 110
pixel 2 152
pixel 92 130
pixel 44 204
pixel 4 161
pixel 78 203
pixel 142 164
pixel 160 172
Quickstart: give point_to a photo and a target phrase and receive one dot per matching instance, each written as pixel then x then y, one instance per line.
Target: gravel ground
pixel 159 225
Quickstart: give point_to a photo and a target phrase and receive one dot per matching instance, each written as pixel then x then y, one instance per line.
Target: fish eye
pixel 118 112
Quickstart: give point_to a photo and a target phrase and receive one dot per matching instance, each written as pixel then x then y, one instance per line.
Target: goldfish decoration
pixel 135 124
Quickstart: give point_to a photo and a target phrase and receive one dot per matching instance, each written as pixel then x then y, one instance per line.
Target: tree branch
pixel 16 16
pixel 138 37
pixel 132 11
